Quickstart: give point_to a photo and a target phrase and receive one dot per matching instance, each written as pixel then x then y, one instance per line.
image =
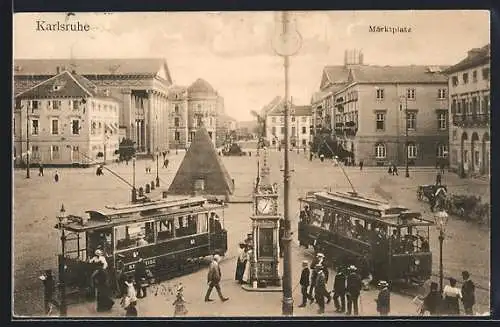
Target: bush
pixel 470 208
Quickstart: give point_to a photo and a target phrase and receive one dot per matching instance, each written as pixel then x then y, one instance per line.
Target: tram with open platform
pixel 389 242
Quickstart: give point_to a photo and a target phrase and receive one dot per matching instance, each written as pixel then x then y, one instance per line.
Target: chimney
pixel 58 70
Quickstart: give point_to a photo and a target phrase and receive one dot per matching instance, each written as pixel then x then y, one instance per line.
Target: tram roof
pixel 354 199
pixel 125 213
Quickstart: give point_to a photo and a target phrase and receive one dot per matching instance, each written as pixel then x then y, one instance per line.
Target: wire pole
pixel 27 143
pixel 407 174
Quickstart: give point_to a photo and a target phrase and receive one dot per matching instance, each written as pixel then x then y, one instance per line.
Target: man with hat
pixel 304 282
pixel 353 290
pixel 213 279
pixel 320 288
pixel 339 289
pixel 317 260
pixel 468 289
pixel 384 299
pixel 99 257
pixel 140 278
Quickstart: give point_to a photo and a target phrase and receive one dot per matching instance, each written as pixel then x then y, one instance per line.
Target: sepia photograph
pixel 298 164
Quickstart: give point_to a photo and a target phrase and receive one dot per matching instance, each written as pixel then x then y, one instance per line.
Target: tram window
pixel 215 223
pixel 132 235
pixel 185 226
pixel 165 230
pixel 203 223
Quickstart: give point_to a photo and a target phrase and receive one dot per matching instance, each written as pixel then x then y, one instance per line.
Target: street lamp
pixel 441 219
pixel 287 43
pixel 63 310
pixel 157 173
pixel 407 173
pixel 27 143
pixel 134 191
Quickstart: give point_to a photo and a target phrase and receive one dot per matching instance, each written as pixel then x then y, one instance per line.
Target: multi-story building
pixel 65 120
pixel 203 104
pixel 226 129
pixel 384 113
pixel 469 85
pixel 141 85
pixel 178 111
pixel 298 127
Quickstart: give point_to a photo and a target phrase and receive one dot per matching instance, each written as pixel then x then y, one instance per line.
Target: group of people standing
pixel 243 263
pixel 347 286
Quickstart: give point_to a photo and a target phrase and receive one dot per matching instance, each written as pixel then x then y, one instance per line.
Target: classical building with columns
pixel 141 85
pixel 469 111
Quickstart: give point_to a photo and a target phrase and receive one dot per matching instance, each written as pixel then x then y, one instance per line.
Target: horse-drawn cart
pixel 429 191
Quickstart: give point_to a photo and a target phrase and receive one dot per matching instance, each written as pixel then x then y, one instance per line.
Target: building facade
pixel 140 84
pixel 178 111
pixel 374 105
pixel 203 104
pixel 469 110
pixel 65 120
pixel 298 128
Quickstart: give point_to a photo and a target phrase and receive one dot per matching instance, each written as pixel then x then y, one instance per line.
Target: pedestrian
pixel 40 169
pixel 353 288
pixel 213 279
pixel 245 278
pixel 179 303
pixel 129 299
pixel 432 301
pixel 48 290
pixel 339 290
pixel 56 176
pixel 320 291
pixel 395 170
pixel 131 309
pixel 103 299
pixel 361 165
pixel 389 171
pixel 438 178
pixel 310 156
pixel 322 157
pixel 451 296
pixel 241 263
pixel 165 163
pixel 304 282
pixel 314 274
pixel 384 299
pixel 140 279
pixel 442 165
pixel 468 290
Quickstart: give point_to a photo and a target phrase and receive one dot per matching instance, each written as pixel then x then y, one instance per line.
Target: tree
pixel 126 149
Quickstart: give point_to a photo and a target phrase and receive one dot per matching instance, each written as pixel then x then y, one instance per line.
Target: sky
pixel 233 51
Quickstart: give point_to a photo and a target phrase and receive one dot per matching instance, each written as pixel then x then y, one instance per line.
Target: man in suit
pixel 213 279
pixel 304 282
pixel 353 290
pixel 317 260
pixel 339 289
pixel 320 288
pixel 468 290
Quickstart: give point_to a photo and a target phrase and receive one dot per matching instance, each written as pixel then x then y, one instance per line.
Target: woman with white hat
pixel 384 298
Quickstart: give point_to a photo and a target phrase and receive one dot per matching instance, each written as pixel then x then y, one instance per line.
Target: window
pixel 380 151
pixel 474 76
pixel 442 150
pixel 75 127
pixel 273 119
pixel 411 120
pixel 56 104
pixel 177 136
pixel 35 154
pixel 412 151
pixel 76 105
pixel 486 104
pixel 442 120
pixel 273 130
pixel 293 131
pixel 282 119
pixel 176 121
pixel 134 235
pixel 176 109
pixel 191 136
pixel 34 126
pixel 441 94
pixel 54 152
pixel 54 127
pixel 380 120
pixel 410 94
pixel 34 104
pixel 293 119
pixel 283 130
pixel 486 73
pixel 453 106
pixel 454 80
pixel 380 94
pixel 304 130
pixel 185 225
pixel 459 108
pixel 199 106
pixel 164 230
pixel 304 119
pixel 465 78
pixel 18 104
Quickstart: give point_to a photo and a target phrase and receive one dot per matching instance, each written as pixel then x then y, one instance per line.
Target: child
pixel 304 282
pixel 180 308
pixel 384 299
pixel 129 300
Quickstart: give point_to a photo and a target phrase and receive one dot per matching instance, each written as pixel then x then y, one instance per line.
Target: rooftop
pixel 296 110
pixel 398 74
pixel 201 86
pixel 475 57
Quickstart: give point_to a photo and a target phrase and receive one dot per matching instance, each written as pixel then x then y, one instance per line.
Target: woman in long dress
pixel 103 298
pixel 451 296
pixel 246 273
pixel 241 263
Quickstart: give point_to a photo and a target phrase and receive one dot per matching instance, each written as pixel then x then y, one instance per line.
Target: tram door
pixel 101 239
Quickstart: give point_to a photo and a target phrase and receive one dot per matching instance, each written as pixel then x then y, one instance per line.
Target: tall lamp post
pixel 157 170
pixel 405 99
pixel 441 219
pixel 63 309
pixel 27 143
pixel 287 43
pixel 134 191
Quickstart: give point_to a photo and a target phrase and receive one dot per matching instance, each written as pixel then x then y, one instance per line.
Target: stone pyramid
pixel 202 171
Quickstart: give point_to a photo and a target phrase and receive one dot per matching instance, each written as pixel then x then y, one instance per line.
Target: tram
pixel 172 236
pixel 389 242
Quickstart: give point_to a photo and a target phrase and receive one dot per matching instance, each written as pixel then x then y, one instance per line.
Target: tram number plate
pixel 150 262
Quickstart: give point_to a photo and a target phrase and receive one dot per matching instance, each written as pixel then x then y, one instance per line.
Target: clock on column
pixel 266 205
